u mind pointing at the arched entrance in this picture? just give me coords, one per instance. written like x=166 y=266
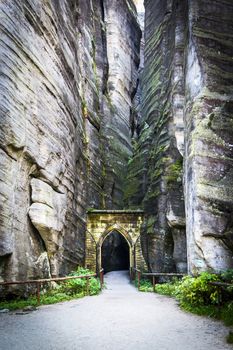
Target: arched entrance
x=101 y=224
x=115 y=252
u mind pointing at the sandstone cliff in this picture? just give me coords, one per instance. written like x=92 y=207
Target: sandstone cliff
x=186 y=113
x=68 y=75
x=75 y=110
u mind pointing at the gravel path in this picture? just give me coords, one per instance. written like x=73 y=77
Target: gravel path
x=120 y=318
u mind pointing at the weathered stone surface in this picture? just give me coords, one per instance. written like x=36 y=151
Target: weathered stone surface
x=55 y=104
x=123 y=47
x=155 y=172
x=8 y=166
x=47 y=214
x=68 y=77
x=186 y=112
x=209 y=172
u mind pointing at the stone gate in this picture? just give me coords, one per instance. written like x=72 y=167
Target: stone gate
x=101 y=223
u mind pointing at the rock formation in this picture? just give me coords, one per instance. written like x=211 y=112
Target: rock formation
x=68 y=76
x=75 y=110
x=183 y=157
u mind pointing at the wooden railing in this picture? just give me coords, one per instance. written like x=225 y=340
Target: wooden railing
x=39 y=282
x=153 y=275
x=101 y=278
x=220 y=287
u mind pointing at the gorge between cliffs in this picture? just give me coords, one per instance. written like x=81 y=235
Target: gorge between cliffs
x=106 y=107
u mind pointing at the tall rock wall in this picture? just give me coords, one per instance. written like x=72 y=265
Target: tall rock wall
x=209 y=136
x=181 y=171
x=64 y=117
x=155 y=171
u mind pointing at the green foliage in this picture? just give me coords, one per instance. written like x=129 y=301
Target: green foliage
x=63 y=291
x=167 y=288
x=174 y=171
x=18 y=303
x=227 y=313
x=79 y=285
x=202 y=310
x=145 y=286
x=197 y=290
x=230 y=338
x=227 y=276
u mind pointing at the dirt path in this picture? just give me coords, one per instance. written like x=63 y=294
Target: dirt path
x=120 y=318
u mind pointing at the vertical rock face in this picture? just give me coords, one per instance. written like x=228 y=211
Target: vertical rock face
x=208 y=121
x=68 y=76
x=186 y=113
x=123 y=47
x=64 y=115
x=155 y=172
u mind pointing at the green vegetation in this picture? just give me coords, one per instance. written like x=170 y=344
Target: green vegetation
x=145 y=285
x=197 y=291
x=64 y=291
x=174 y=171
x=230 y=338
x=167 y=288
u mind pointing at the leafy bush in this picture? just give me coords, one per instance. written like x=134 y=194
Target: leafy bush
x=227 y=314
x=145 y=286
x=79 y=285
x=95 y=287
x=227 y=276
x=167 y=288
x=197 y=290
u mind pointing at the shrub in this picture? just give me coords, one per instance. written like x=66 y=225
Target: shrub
x=197 y=290
x=79 y=285
x=168 y=288
x=227 y=314
x=227 y=276
x=145 y=286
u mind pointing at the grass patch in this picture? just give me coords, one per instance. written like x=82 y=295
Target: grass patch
x=167 y=288
x=204 y=310
x=18 y=303
x=230 y=338
x=227 y=313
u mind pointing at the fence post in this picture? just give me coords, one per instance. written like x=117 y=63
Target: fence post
x=101 y=279
x=219 y=298
x=139 y=279
x=38 y=292
x=154 y=283
x=88 y=285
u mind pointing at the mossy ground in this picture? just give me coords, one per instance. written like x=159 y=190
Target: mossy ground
x=32 y=301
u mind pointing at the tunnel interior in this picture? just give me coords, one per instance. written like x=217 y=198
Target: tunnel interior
x=115 y=253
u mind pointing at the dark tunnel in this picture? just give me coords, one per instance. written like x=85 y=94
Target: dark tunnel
x=115 y=253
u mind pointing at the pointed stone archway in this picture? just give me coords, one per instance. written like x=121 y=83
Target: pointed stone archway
x=101 y=223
